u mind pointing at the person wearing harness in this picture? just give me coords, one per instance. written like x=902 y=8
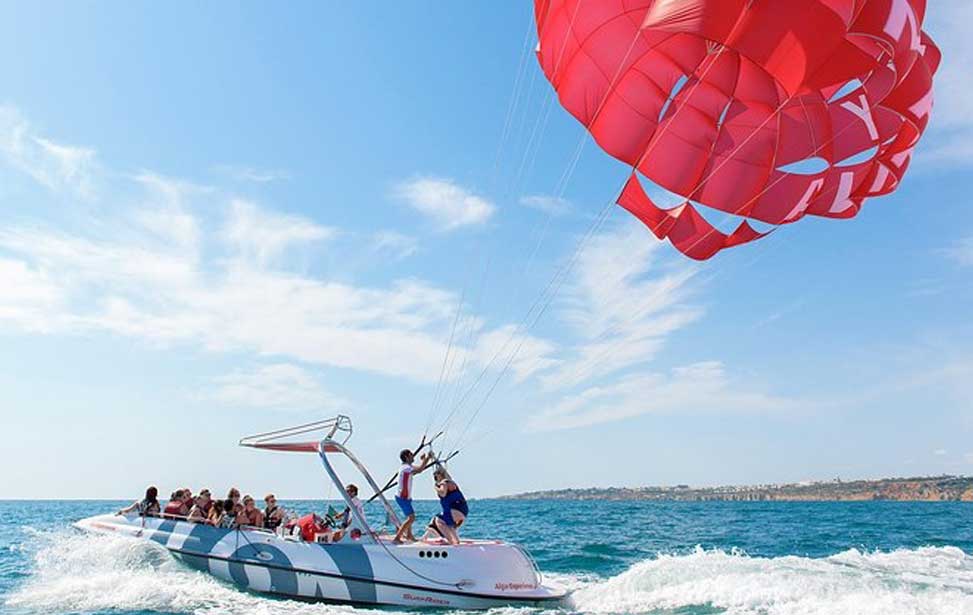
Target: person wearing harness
x=147 y=507
x=455 y=509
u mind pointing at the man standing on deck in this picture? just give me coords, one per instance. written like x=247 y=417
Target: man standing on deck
x=404 y=495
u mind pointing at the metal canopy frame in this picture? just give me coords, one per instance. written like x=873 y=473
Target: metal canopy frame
x=338 y=431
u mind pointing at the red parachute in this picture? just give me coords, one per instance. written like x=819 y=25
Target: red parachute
x=765 y=109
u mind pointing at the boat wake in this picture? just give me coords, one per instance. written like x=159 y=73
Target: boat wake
x=924 y=581
x=84 y=573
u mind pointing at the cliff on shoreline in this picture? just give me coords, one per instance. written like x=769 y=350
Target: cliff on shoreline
x=918 y=489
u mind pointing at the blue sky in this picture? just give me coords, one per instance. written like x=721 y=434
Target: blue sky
x=220 y=219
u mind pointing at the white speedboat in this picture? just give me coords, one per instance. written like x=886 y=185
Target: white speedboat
x=368 y=568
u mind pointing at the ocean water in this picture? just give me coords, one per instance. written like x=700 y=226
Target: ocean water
x=738 y=558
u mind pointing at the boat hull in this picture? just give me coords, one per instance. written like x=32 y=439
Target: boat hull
x=472 y=575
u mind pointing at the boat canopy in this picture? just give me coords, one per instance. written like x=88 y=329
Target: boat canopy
x=334 y=433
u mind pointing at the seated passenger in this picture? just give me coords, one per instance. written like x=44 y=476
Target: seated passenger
x=176 y=507
x=346 y=517
x=215 y=517
x=147 y=507
x=234 y=494
x=455 y=509
x=250 y=516
x=228 y=520
x=200 y=510
x=208 y=502
x=273 y=514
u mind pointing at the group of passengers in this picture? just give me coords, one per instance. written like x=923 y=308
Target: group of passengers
x=232 y=512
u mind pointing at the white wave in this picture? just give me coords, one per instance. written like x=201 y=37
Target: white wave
x=925 y=581
x=84 y=573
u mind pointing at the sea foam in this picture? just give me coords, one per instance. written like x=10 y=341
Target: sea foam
x=85 y=573
x=924 y=581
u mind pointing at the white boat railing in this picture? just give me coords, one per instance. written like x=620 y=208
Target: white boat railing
x=337 y=428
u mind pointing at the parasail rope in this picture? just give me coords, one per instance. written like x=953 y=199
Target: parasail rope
x=509 y=122
x=596 y=224
x=529 y=145
x=761 y=252
x=442 y=370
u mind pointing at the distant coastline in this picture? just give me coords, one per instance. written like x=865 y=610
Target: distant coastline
x=917 y=489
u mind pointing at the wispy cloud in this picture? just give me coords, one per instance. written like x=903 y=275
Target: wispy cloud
x=624 y=302
x=394 y=245
x=263 y=236
x=449 y=205
x=699 y=388
x=951 y=130
x=961 y=252
x=161 y=268
x=553 y=205
x=59 y=167
x=279 y=386
x=28 y=295
x=522 y=353
x=251 y=174
x=165 y=296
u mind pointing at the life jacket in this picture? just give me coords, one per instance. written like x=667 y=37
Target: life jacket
x=173 y=509
x=454 y=500
x=271 y=522
x=311 y=525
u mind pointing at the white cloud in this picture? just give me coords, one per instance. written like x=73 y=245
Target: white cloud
x=27 y=293
x=263 y=236
x=624 y=303
x=553 y=205
x=961 y=252
x=162 y=295
x=951 y=129
x=394 y=245
x=280 y=386
x=522 y=353
x=59 y=167
x=167 y=213
x=699 y=388
x=446 y=203
x=251 y=174
x=155 y=268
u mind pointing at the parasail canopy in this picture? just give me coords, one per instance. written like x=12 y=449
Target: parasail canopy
x=763 y=109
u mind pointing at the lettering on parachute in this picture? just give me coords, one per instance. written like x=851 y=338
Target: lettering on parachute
x=751 y=109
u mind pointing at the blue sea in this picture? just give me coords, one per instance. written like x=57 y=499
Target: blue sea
x=738 y=558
